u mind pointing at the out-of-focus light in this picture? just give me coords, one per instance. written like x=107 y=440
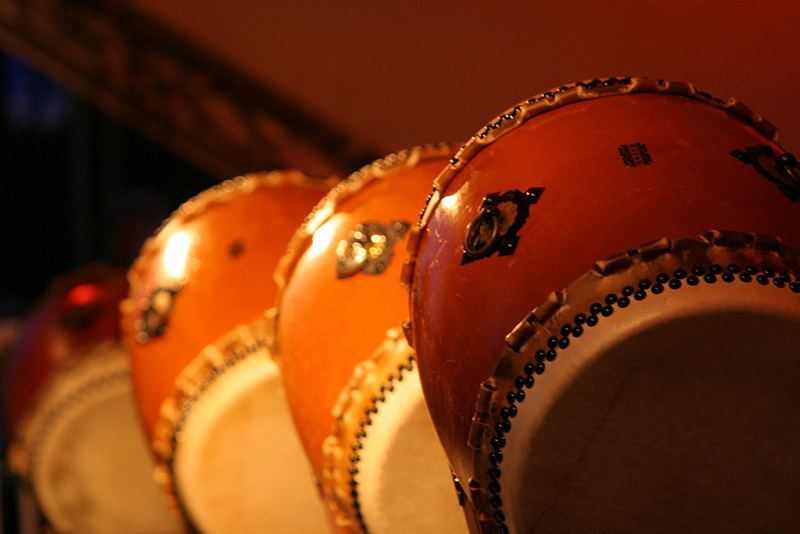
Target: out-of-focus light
x=322 y=238
x=175 y=254
x=83 y=294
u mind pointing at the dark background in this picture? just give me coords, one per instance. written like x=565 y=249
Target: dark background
x=77 y=186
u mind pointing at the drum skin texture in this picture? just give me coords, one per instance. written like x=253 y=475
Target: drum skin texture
x=206 y=272
x=567 y=178
x=339 y=294
x=69 y=410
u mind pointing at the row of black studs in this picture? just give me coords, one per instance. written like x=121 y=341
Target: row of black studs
x=576 y=329
x=361 y=433
x=511 y=114
x=187 y=405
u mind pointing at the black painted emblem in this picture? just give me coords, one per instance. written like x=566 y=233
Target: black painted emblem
x=635 y=155
x=496 y=226
x=782 y=170
x=369 y=248
x=153 y=322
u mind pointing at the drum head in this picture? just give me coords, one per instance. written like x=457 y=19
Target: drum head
x=402 y=440
x=89 y=463
x=236 y=463
x=660 y=397
x=384 y=450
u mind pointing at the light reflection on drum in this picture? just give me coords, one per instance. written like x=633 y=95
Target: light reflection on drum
x=208 y=390
x=653 y=391
x=352 y=387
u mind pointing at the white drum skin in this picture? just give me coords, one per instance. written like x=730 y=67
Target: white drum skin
x=219 y=448
x=669 y=410
x=90 y=465
x=398 y=442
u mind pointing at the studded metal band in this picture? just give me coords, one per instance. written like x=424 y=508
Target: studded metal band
x=370 y=385
x=196 y=378
x=611 y=287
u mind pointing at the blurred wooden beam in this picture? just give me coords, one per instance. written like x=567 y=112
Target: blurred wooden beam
x=172 y=90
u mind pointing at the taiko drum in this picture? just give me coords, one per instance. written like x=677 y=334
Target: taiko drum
x=208 y=391
x=650 y=228
x=350 y=376
x=70 y=412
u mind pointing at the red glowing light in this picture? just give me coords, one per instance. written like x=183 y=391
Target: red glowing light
x=83 y=294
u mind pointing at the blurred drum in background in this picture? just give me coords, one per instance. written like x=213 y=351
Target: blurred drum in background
x=658 y=390
x=350 y=376
x=69 y=409
x=208 y=392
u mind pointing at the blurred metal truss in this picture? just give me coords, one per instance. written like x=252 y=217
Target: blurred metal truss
x=196 y=105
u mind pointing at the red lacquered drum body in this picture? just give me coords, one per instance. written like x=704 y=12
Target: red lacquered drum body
x=69 y=408
x=529 y=204
x=352 y=389
x=206 y=387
